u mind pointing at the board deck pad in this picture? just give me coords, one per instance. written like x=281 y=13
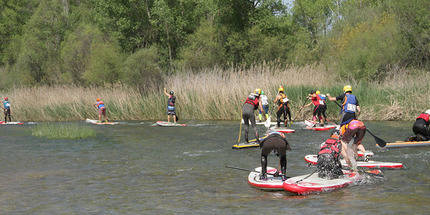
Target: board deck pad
x=399 y=144
x=168 y=124
x=313 y=159
x=96 y=122
x=272 y=182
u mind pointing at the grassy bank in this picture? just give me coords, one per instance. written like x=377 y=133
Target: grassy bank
x=218 y=94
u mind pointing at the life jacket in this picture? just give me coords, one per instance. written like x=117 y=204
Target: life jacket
x=253 y=100
x=171 y=101
x=330 y=146
x=354 y=124
x=6 y=104
x=282 y=100
x=100 y=105
x=424 y=116
x=316 y=100
x=349 y=103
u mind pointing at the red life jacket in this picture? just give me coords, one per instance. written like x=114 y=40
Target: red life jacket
x=331 y=146
x=424 y=116
x=253 y=102
x=316 y=100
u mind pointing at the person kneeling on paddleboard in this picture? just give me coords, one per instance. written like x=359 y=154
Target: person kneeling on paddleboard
x=328 y=163
x=350 y=107
x=351 y=136
x=276 y=142
x=421 y=127
x=6 y=109
x=100 y=105
x=170 y=105
x=251 y=104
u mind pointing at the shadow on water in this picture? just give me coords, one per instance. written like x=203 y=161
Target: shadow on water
x=134 y=168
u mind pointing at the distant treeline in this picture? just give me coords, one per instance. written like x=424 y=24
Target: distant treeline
x=139 y=42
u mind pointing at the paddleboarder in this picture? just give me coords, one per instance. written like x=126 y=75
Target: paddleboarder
x=283 y=107
x=323 y=104
x=171 y=109
x=277 y=143
x=317 y=102
x=6 y=110
x=265 y=105
x=328 y=164
x=100 y=106
x=350 y=107
x=252 y=103
x=352 y=135
x=421 y=127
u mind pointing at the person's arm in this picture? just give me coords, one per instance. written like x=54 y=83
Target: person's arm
x=358 y=110
x=165 y=92
x=330 y=98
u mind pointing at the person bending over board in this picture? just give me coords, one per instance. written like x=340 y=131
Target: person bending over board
x=277 y=143
x=328 y=163
x=283 y=107
x=100 y=105
x=351 y=136
x=318 y=108
x=170 y=105
x=350 y=107
x=6 y=110
x=421 y=127
x=251 y=104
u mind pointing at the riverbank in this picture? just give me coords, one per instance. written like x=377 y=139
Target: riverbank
x=218 y=94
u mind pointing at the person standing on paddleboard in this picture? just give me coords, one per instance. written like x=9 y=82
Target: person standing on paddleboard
x=283 y=107
x=277 y=143
x=171 y=109
x=316 y=101
x=323 y=104
x=100 y=106
x=265 y=104
x=421 y=127
x=252 y=103
x=350 y=107
x=6 y=110
x=351 y=135
x=328 y=164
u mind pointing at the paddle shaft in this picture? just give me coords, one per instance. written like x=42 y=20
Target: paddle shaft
x=242 y=169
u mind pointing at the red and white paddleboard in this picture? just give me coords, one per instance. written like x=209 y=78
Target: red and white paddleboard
x=313 y=159
x=312 y=125
x=11 y=123
x=282 y=130
x=311 y=183
x=272 y=182
x=168 y=124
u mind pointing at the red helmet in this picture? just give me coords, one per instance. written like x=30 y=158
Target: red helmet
x=6 y=98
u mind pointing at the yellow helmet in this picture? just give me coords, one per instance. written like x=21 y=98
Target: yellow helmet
x=347 y=88
x=257 y=91
x=318 y=92
x=281 y=89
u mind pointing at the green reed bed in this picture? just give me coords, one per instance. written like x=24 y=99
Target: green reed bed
x=63 y=131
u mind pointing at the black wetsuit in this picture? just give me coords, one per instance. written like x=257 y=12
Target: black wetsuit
x=7 y=115
x=248 y=115
x=328 y=164
x=346 y=117
x=274 y=142
x=283 y=110
x=421 y=130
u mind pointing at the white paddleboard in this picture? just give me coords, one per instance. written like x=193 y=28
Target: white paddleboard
x=313 y=159
x=272 y=183
x=168 y=124
x=311 y=126
x=11 y=123
x=96 y=122
x=282 y=129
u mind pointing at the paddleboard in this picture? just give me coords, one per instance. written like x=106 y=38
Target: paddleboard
x=168 y=124
x=252 y=143
x=96 y=122
x=399 y=144
x=311 y=126
x=311 y=183
x=313 y=159
x=282 y=130
x=11 y=123
x=272 y=182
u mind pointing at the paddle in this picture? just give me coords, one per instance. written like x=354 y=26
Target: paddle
x=267 y=123
x=240 y=127
x=301 y=108
x=381 y=143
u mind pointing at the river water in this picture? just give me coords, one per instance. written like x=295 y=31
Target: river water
x=134 y=168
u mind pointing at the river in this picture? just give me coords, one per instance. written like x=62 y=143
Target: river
x=134 y=168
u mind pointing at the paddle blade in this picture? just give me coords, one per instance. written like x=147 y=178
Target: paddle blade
x=381 y=143
x=177 y=118
x=267 y=123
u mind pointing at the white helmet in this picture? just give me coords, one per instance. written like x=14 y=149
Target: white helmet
x=427 y=111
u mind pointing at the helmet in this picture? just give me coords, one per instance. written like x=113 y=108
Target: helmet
x=318 y=92
x=257 y=91
x=98 y=99
x=6 y=98
x=281 y=89
x=171 y=92
x=262 y=92
x=347 y=88
x=427 y=111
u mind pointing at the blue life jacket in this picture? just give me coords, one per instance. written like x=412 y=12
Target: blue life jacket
x=100 y=105
x=349 y=104
x=6 y=104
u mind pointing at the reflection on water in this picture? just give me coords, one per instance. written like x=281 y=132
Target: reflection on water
x=134 y=168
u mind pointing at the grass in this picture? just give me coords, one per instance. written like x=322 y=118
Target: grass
x=63 y=131
x=218 y=95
